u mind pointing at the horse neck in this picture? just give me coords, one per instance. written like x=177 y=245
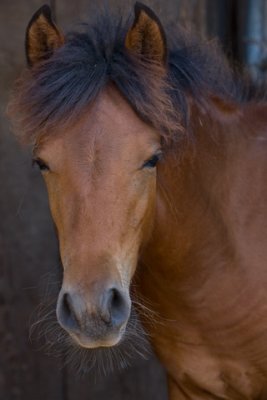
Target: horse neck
x=210 y=192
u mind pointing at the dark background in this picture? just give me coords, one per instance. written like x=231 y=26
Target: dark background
x=28 y=247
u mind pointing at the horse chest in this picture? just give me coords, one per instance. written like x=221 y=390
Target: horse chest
x=214 y=346
x=196 y=373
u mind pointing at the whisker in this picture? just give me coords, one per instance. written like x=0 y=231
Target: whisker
x=55 y=341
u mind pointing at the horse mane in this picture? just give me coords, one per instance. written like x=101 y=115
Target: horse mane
x=60 y=89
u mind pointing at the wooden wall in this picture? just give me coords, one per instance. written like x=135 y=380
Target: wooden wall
x=28 y=247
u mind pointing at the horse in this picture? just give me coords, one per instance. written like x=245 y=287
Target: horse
x=154 y=157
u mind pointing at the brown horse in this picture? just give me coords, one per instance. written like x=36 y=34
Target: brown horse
x=155 y=164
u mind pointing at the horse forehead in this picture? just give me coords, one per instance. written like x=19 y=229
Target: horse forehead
x=111 y=106
x=108 y=112
x=109 y=125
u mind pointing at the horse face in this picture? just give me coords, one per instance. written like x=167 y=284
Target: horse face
x=101 y=179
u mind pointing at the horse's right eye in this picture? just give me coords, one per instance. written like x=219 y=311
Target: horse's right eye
x=41 y=164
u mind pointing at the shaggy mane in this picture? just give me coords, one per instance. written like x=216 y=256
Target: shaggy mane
x=60 y=89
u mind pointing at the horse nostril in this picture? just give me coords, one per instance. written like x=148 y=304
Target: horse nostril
x=66 y=313
x=107 y=310
x=116 y=299
x=117 y=306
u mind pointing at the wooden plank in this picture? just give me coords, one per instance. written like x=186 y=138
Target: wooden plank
x=189 y=13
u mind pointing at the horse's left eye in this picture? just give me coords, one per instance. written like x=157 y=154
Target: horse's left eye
x=152 y=162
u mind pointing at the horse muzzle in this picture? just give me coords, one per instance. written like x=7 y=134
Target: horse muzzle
x=98 y=322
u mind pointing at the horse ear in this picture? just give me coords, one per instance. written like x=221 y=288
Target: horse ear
x=146 y=37
x=42 y=36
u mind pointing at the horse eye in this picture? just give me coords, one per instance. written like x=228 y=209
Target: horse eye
x=41 y=164
x=152 y=162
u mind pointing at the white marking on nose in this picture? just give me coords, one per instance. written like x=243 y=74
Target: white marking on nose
x=124 y=270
